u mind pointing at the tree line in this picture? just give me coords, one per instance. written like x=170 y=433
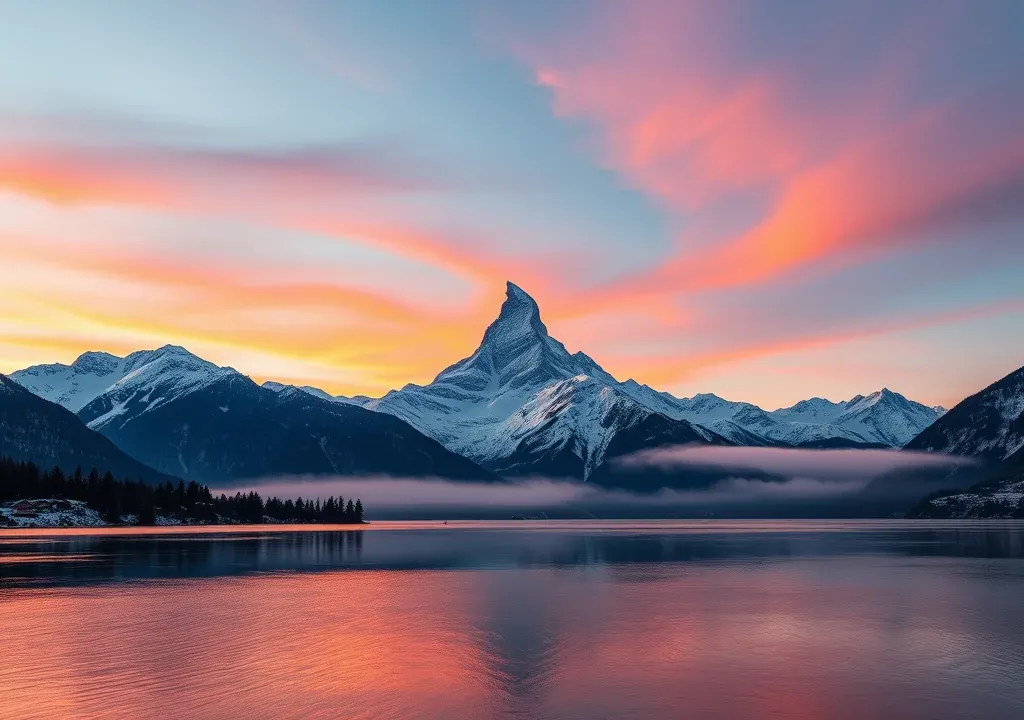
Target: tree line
x=185 y=502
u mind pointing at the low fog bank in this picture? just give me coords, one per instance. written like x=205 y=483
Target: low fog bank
x=848 y=464
x=667 y=482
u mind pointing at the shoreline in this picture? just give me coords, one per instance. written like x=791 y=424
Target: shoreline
x=64 y=514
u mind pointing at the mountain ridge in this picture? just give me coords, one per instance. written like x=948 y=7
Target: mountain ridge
x=520 y=397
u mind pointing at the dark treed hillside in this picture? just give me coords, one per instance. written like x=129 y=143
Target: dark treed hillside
x=42 y=432
x=186 y=503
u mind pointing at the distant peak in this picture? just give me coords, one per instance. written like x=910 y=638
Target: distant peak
x=885 y=394
x=172 y=350
x=91 y=355
x=99 y=362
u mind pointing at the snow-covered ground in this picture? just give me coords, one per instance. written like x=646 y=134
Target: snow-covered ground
x=1003 y=501
x=57 y=512
x=49 y=512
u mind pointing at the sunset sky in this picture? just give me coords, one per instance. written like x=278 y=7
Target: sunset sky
x=765 y=200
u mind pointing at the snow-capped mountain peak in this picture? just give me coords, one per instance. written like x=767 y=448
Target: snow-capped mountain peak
x=97 y=363
x=316 y=392
x=521 y=399
x=75 y=385
x=883 y=417
x=812 y=409
x=149 y=377
x=515 y=354
x=518 y=325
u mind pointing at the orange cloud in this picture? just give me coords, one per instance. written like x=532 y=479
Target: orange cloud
x=59 y=177
x=316 y=190
x=360 y=337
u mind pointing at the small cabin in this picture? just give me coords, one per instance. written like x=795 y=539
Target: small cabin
x=24 y=509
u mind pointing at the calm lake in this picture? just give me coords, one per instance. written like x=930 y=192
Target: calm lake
x=716 y=619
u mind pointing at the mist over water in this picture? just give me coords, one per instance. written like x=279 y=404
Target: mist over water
x=809 y=481
x=825 y=465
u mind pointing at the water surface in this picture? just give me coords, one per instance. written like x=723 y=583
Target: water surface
x=516 y=620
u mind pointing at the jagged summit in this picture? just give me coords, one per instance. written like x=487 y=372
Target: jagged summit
x=516 y=352
x=516 y=295
x=522 y=403
x=517 y=323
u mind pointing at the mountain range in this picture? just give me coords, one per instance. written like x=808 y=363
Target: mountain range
x=520 y=405
x=189 y=418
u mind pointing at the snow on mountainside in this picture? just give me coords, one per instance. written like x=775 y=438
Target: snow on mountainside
x=522 y=403
x=988 y=424
x=277 y=387
x=149 y=380
x=75 y=385
x=185 y=416
x=740 y=422
x=882 y=418
x=142 y=380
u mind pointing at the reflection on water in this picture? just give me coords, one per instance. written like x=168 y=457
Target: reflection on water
x=557 y=620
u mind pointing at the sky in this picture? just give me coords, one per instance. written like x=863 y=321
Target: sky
x=765 y=200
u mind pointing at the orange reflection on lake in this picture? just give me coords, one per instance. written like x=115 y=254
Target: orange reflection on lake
x=513 y=624
x=363 y=644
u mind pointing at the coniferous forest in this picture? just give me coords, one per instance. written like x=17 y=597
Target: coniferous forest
x=184 y=502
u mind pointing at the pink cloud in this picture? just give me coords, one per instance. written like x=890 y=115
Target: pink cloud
x=689 y=111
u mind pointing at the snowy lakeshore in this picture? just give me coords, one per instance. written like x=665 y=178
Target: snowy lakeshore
x=62 y=513
x=1003 y=501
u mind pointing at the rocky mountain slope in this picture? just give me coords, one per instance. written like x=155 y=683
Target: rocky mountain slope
x=988 y=426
